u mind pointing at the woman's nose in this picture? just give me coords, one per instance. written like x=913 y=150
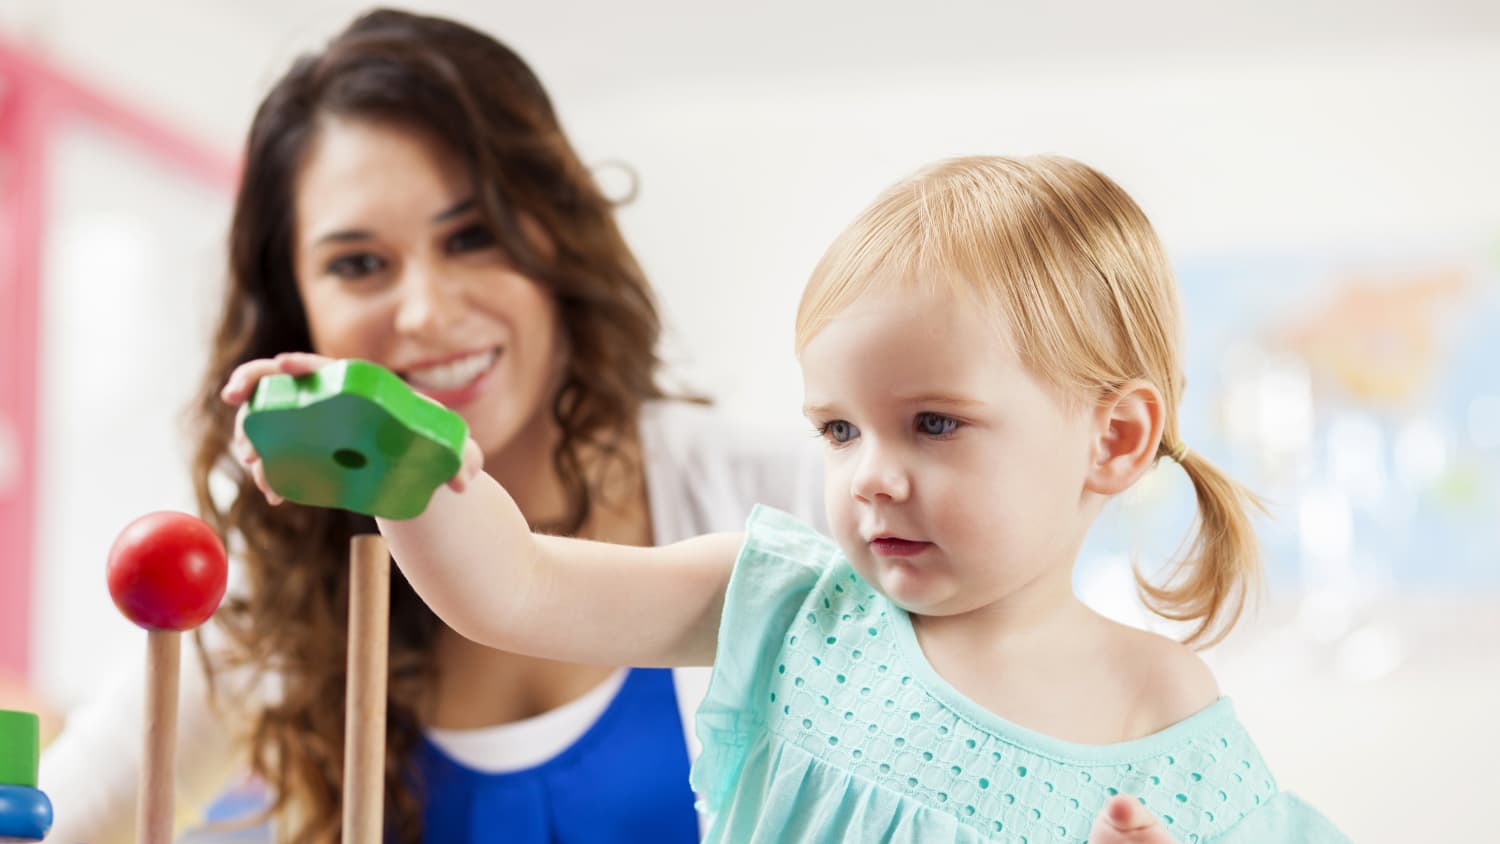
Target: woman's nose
x=428 y=302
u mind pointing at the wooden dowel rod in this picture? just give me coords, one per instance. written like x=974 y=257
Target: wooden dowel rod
x=155 y=799
x=364 y=725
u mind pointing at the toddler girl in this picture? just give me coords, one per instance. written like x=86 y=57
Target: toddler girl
x=991 y=353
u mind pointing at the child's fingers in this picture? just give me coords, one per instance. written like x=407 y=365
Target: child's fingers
x=301 y=363
x=243 y=451
x=1126 y=813
x=258 y=471
x=240 y=446
x=1123 y=820
x=243 y=379
x=473 y=462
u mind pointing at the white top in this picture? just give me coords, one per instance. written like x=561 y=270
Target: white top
x=531 y=741
x=704 y=472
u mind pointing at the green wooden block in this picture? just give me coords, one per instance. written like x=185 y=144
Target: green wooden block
x=20 y=747
x=354 y=436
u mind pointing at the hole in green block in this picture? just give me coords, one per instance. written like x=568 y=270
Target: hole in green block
x=349 y=458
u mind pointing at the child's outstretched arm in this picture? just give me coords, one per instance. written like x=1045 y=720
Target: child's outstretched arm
x=472 y=557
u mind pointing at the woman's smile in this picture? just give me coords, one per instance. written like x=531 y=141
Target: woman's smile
x=452 y=381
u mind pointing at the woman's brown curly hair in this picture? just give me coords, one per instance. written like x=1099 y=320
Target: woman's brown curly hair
x=482 y=103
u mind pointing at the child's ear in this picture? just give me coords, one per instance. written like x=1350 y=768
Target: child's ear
x=1127 y=430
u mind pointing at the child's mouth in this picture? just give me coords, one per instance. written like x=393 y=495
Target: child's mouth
x=891 y=546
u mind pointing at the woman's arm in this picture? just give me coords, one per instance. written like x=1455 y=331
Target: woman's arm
x=474 y=560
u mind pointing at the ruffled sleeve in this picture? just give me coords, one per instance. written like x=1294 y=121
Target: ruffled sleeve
x=778 y=565
x=1285 y=819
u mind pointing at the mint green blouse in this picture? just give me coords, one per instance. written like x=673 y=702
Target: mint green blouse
x=823 y=722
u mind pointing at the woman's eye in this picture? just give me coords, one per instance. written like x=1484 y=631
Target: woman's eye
x=358 y=265
x=936 y=424
x=471 y=238
x=839 y=431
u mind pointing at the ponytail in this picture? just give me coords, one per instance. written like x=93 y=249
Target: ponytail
x=1221 y=570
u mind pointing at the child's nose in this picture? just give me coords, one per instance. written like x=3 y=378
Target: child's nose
x=880 y=476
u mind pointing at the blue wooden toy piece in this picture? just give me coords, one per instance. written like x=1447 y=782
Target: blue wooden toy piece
x=25 y=812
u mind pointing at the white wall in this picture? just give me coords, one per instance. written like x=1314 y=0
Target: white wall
x=745 y=184
x=132 y=278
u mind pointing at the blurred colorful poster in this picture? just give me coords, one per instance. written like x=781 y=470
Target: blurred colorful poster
x=1359 y=394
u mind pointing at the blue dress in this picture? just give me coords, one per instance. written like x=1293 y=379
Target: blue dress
x=624 y=780
x=825 y=723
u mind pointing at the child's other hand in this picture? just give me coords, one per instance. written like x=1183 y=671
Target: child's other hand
x=1123 y=820
x=238 y=390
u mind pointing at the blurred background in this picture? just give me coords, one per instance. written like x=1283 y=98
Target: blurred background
x=1324 y=176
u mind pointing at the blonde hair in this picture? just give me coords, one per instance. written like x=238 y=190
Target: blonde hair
x=1072 y=267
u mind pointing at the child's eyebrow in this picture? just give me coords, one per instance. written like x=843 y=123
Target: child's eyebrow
x=937 y=398
x=944 y=399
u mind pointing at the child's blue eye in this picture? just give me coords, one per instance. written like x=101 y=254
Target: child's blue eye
x=936 y=424
x=839 y=431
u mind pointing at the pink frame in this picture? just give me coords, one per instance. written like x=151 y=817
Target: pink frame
x=36 y=102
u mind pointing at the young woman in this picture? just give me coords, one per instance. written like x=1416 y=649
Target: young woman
x=409 y=198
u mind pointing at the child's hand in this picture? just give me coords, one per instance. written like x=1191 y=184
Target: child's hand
x=473 y=463
x=238 y=390
x=1123 y=820
x=241 y=386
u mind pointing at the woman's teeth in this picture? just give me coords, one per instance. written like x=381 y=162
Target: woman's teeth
x=453 y=374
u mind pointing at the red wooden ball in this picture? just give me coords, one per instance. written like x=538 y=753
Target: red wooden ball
x=167 y=571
